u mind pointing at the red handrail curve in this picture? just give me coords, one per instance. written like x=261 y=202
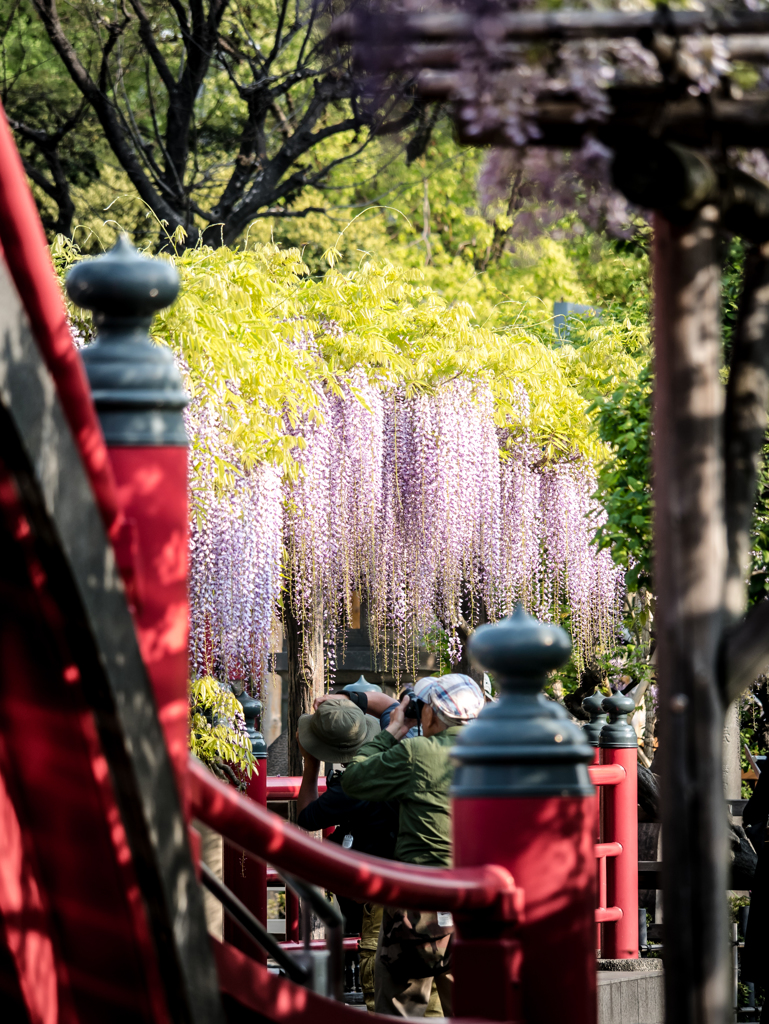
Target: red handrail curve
x=286 y=787
x=606 y=774
x=265 y=835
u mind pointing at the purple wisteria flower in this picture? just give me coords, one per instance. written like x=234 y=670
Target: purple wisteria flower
x=417 y=502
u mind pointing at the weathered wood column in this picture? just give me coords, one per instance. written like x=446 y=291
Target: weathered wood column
x=690 y=573
x=305 y=676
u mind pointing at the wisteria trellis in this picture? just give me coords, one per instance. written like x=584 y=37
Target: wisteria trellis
x=417 y=501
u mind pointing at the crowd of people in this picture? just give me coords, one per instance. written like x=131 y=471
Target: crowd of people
x=389 y=796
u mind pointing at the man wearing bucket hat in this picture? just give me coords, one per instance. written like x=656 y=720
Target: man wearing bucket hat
x=335 y=734
x=415 y=946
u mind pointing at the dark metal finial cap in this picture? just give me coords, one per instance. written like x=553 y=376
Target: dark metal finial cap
x=594 y=707
x=618 y=732
x=136 y=386
x=123 y=284
x=524 y=744
x=252 y=709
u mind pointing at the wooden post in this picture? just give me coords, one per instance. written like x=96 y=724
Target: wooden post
x=690 y=572
x=305 y=679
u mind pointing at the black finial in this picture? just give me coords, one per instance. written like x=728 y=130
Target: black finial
x=136 y=386
x=594 y=707
x=524 y=744
x=618 y=732
x=252 y=709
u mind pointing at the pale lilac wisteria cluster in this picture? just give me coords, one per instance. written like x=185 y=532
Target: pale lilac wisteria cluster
x=431 y=512
x=235 y=555
x=416 y=501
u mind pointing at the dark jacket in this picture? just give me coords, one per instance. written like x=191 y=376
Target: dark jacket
x=372 y=825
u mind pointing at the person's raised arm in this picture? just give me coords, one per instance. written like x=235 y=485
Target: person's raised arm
x=383 y=768
x=370 y=702
x=308 y=791
x=379 y=703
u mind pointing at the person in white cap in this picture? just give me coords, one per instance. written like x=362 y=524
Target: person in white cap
x=415 y=946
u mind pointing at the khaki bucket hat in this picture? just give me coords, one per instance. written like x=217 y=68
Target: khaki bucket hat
x=336 y=731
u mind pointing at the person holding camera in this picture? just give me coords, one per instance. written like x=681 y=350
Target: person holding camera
x=415 y=946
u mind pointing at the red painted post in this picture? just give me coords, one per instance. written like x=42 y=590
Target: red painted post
x=245 y=875
x=139 y=397
x=593 y=705
x=292 y=916
x=619 y=745
x=523 y=799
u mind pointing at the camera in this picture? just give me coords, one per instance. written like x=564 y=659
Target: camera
x=414 y=708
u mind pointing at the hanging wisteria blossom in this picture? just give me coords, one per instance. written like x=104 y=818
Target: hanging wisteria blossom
x=235 y=549
x=418 y=502
x=370 y=443
x=423 y=505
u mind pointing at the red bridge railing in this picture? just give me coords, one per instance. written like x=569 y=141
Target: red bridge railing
x=489 y=888
x=616 y=854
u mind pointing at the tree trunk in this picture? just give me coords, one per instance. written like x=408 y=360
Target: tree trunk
x=732 y=750
x=305 y=677
x=690 y=572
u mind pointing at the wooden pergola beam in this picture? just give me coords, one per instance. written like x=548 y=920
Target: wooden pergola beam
x=549 y=25
x=691 y=121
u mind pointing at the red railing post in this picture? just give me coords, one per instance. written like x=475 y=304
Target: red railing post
x=619 y=745
x=292 y=916
x=593 y=705
x=139 y=397
x=523 y=799
x=245 y=875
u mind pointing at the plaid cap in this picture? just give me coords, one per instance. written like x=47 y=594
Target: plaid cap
x=455 y=695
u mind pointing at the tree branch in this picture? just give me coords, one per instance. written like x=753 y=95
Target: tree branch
x=47 y=144
x=107 y=116
x=267 y=191
x=157 y=58
x=745 y=651
x=278 y=31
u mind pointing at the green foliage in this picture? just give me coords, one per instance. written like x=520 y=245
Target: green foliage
x=243 y=316
x=624 y=481
x=735 y=904
x=758 y=581
x=436 y=641
x=42 y=102
x=257 y=318
x=731 y=287
x=214 y=734
x=427 y=216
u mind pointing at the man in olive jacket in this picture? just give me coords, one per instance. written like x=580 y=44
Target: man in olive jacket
x=415 y=946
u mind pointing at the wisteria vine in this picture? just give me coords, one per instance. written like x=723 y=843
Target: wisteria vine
x=416 y=500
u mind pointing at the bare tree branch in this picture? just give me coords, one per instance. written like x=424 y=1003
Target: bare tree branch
x=58 y=189
x=745 y=651
x=170 y=139
x=148 y=38
x=106 y=114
